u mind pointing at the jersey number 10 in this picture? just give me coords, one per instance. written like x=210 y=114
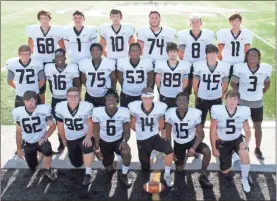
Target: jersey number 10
x=117 y=43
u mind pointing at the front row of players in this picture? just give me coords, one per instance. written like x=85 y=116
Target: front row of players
x=104 y=131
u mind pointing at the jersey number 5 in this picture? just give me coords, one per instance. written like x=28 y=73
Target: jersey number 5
x=31 y=127
x=230 y=124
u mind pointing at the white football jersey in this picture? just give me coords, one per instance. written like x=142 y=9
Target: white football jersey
x=251 y=84
x=195 y=46
x=75 y=124
x=233 y=51
x=210 y=83
x=172 y=78
x=155 y=43
x=229 y=127
x=117 y=42
x=134 y=77
x=147 y=123
x=25 y=76
x=98 y=79
x=78 y=43
x=111 y=127
x=183 y=128
x=34 y=125
x=61 y=81
x=45 y=44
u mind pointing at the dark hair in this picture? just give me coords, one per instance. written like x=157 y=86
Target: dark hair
x=29 y=95
x=78 y=13
x=133 y=45
x=255 y=50
x=73 y=89
x=171 y=47
x=43 y=12
x=111 y=92
x=232 y=93
x=235 y=16
x=154 y=12
x=211 y=49
x=24 y=48
x=96 y=45
x=183 y=93
x=115 y=12
x=60 y=51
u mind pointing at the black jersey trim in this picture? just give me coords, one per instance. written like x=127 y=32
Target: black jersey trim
x=149 y=111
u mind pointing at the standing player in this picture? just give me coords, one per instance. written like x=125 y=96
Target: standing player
x=227 y=123
x=98 y=75
x=79 y=38
x=192 y=43
x=31 y=128
x=134 y=73
x=111 y=134
x=147 y=119
x=117 y=37
x=252 y=80
x=61 y=77
x=44 y=40
x=188 y=135
x=153 y=40
x=210 y=80
x=76 y=130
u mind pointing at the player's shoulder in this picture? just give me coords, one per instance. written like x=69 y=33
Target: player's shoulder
x=240 y=66
x=217 y=108
x=90 y=28
x=183 y=33
x=160 y=105
x=85 y=61
x=124 y=111
x=85 y=105
x=199 y=64
x=19 y=111
x=98 y=111
x=123 y=60
x=222 y=31
x=61 y=106
x=37 y=61
x=57 y=27
x=33 y=27
x=185 y=63
x=134 y=105
x=169 y=30
x=12 y=61
x=207 y=32
x=243 y=110
x=146 y=60
x=171 y=111
x=246 y=31
x=195 y=111
x=143 y=29
x=126 y=26
x=223 y=65
x=160 y=62
x=105 y=27
x=72 y=66
x=109 y=62
x=44 y=108
x=266 y=66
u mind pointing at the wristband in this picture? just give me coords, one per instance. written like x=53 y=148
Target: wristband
x=97 y=150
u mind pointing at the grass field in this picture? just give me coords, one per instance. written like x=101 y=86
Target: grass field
x=260 y=18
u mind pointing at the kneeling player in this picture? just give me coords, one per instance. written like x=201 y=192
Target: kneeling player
x=226 y=136
x=111 y=125
x=76 y=130
x=31 y=128
x=147 y=120
x=188 y=135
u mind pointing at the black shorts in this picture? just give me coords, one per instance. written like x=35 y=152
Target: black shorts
x=226 y=149
x=188 y=89
x=54 y=102
x=145 y=147
x=96 y=101
x=19 y=101
x=257 y=114
x=205 y=107
x=30 y=151
x=170 y=102
x=126 y=99
x=181 y=149
x=108 y=149
x=76 y=149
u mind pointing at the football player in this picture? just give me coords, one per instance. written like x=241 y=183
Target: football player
x=61 y=77
x=252 y=80
x=192 y=44
x=134 y=73
x=147 y=119
x=44 y=39
x=75 y=127
x=226 y=136
x=24 y=74
x=210 y=80
x=116 y=37
x=153 y=40
x=97 y=74
x=111 y=134
x=188 y=135
x=79 y=38
x=32 y=121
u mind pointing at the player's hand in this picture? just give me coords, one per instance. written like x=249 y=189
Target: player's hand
x=41 y=141
x=20 y=154
x=64 y=143
x=243 y=145
x=216 y=153
x=87 y=142
x=124 y=147
x=99 y=155
x=190 y=152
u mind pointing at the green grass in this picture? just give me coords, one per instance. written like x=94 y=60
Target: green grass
x=15 y=16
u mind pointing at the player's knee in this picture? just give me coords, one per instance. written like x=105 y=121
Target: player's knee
x=76 y=162
x=126 y=155
x=28 y=150
x=46 y=149
x=87 y=150
x=226 y=167
x=243 y=154
x=258 y=126
x=180 y=168
x=179 y=163
x=206 y=151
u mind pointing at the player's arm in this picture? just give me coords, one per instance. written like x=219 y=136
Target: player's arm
x=31 y=44
x=141 y=44
x=61 y=44
x=90 y=129
x=158 y=80
x=96 y=134
x=77 y=83
x=247 y=131
x=83 y=79
x=18 y=136
x=10 y=79
x=120 y=77
x=161 y=123
x=168 y=130
x=104 y=45
x=113 y=79
x=133 y=123
x=199 y=136
x=181 y=51
x=185 y=81
x=126 y=131
x=213 y=135
x=234 y=82
x=52 y=127
x=60 y=125
x=132 y=39
x=266 y=85
x=41 y=78
x=195 y=84
x=150 y=79
x=220 y=48
x=246 y=48
x=224 y=84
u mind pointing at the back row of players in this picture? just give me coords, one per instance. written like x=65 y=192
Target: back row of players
x=208 y=76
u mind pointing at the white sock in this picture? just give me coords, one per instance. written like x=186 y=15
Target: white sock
x=118 y=157
x=167 y=170
x=244 y=171
x=124 y=169
x=88 y=170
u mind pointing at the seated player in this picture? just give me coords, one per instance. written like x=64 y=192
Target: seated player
x=75 y=127
x=134 y=73
x=226 y=136
x=111 y=134
x=61 y=77
x=32 y=121
x=147 y=120
x=188 y=135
